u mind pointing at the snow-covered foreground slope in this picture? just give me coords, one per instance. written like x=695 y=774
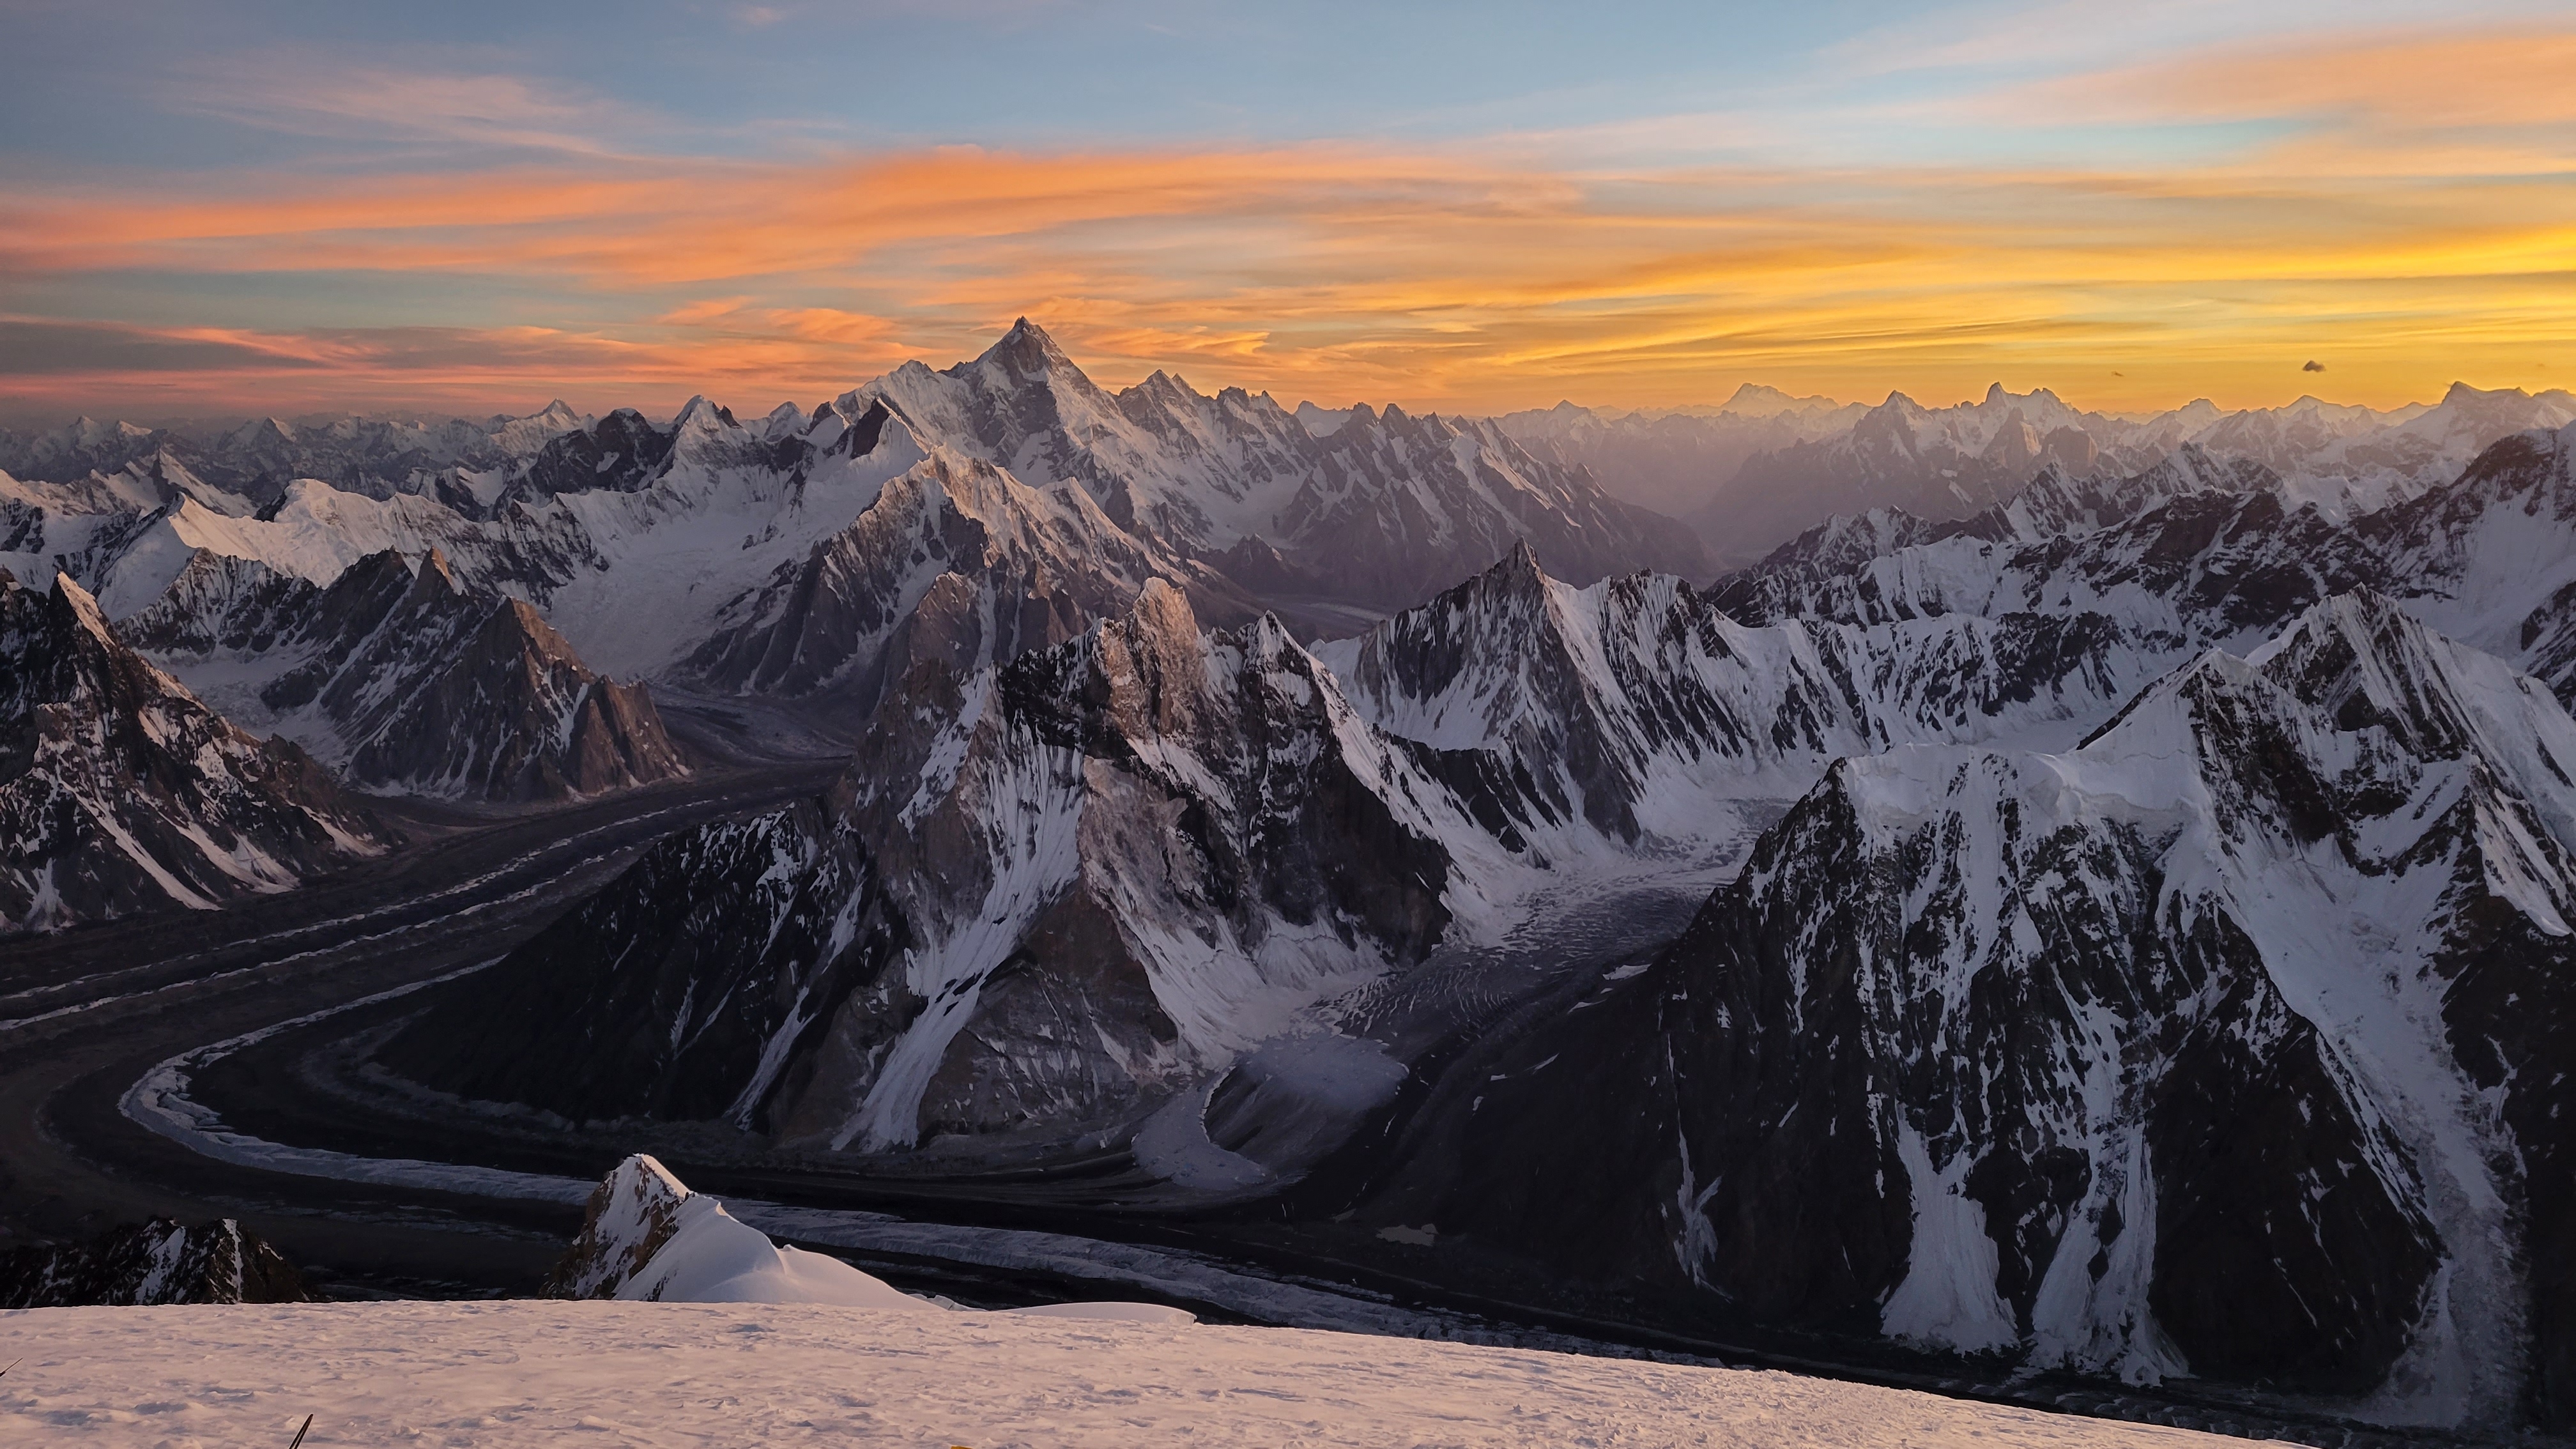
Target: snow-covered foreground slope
x=662 y=1374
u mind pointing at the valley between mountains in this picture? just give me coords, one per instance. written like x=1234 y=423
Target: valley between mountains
x=2007 y=898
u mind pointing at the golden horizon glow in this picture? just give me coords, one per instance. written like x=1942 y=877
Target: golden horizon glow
x=2403 y=236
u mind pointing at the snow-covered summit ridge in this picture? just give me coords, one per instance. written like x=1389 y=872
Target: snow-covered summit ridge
x=789 y=554
x=1639 y=705
x=1363 y=506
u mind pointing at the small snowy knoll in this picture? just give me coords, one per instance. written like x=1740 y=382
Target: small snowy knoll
x=647 y=1238
x=544 y=1373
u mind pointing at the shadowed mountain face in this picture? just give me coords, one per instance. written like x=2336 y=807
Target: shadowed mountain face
x=1043 y=892
x=152 y=1263
x=2231 y=1043
x=121 y=792
x=440 y=691
x=407 y=678
x=1058 y=889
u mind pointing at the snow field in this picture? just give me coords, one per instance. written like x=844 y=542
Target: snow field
x=654 y=1374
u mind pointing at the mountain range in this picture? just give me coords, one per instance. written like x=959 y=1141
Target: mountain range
x=2084 y=896
x=2117 y=933
x=1766 y=467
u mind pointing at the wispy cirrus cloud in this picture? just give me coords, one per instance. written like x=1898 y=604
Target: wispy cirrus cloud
x=2384 y=84
x=344 y=101
x=35 y=347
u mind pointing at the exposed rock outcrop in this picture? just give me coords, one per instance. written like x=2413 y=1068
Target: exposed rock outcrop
x=151 y=1263
x=121 y=792
x=408 y=678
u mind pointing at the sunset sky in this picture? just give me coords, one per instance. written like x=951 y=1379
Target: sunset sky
x=213 y=208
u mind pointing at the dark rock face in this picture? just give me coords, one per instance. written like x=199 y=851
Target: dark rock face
x=661 y=996
x=1045 y=892
x=152 y=1263
x=953 y=562
x=442 y=691
x=621 y=451
x=1165 y=824
x=120 y=792
x=2161 y=1056
x=427 y=683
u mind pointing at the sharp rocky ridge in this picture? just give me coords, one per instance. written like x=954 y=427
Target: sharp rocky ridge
x=120 y=791
x=406 y=678
x=2200 y=555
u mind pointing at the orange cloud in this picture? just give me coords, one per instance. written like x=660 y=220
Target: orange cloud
x=1458 y=278
x=2442 y=79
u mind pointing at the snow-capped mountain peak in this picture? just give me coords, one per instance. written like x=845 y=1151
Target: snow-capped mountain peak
x=2213 y=1046
x=121 y=791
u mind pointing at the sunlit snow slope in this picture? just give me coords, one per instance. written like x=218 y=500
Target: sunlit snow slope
x=665 y=1374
